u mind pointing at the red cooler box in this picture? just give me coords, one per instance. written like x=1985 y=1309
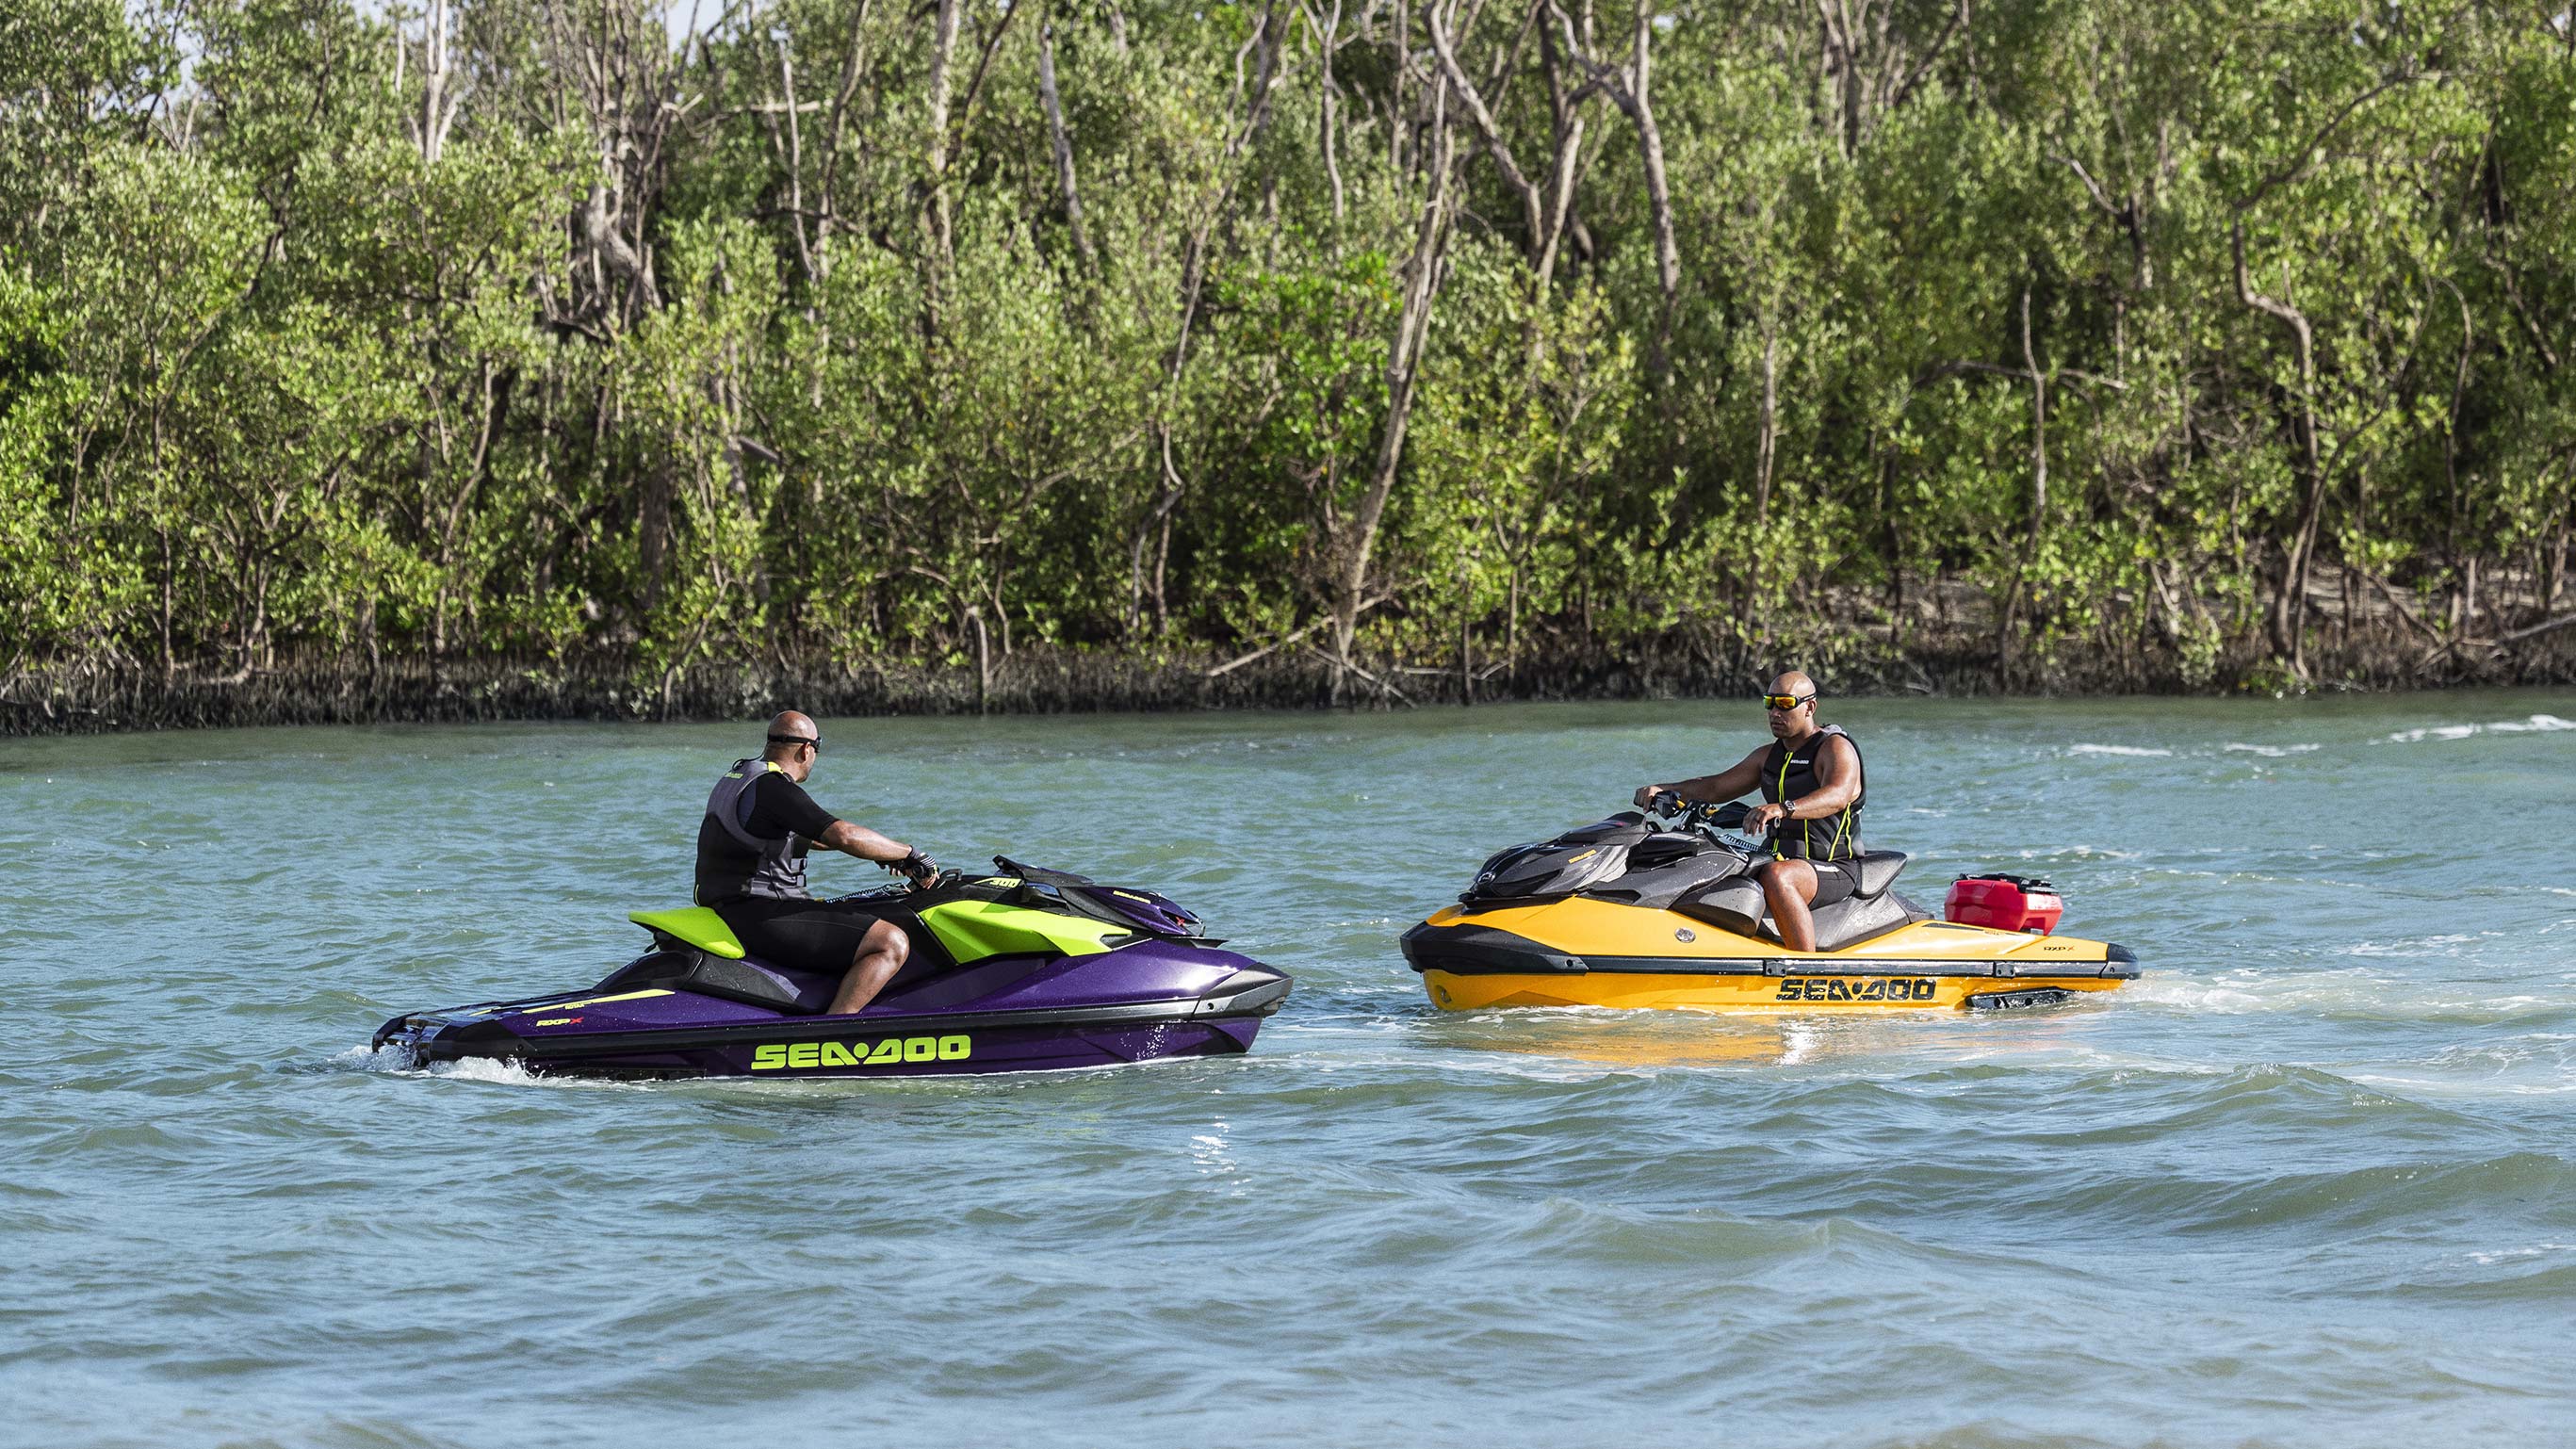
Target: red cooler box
x=2005 y=902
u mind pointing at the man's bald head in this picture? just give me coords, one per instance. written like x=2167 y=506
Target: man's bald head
x=1794 y=722
x=793 y=742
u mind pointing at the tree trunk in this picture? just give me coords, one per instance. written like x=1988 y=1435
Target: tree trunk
x=653 y=534
x=943 y=46
x=983 y=659
x=1659 y=196
x=2556 y=577
x=1542 y=211
x=169 y=589
x=1466 y=647
x=1765 y=450
x=2286 y=624
x=437 y=103
x=1628 y=88
x=1328 y=96
x=2038 y=426
x=1062 y=141
x=1403 y=368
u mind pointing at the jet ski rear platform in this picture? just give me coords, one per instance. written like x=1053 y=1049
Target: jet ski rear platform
x=1027 y=971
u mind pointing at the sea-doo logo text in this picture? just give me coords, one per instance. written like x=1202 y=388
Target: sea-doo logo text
x=1837 y=988
x=806 y=1055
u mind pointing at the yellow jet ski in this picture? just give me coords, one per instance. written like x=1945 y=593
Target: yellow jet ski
x=1636 y=911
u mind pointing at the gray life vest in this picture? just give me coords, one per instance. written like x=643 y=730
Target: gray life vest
x=776 y=870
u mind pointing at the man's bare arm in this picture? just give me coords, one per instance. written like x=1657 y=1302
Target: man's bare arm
x=1838 y=781
x=1725 y=785
x=864 y=843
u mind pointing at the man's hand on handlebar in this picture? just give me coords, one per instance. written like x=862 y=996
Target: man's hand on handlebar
x=917 y=867
x=1656 y=800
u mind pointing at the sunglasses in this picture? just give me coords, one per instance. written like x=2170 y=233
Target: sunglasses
x=1785 y=701
x=815 y=740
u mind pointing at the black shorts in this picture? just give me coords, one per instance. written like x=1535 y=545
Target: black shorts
x=808 y=935
x=1836 y=880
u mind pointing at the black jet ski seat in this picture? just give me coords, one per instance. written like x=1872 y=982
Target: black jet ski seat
x=1872 y=909
x=1876 y=870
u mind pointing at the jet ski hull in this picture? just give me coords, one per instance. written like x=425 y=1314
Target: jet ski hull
x=1006 y=975
x=1822 y=987
x=853 y=1046
x=1585 y=952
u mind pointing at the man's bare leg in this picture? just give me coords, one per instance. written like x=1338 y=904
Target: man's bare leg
x=881 y=953
x=1788 y=885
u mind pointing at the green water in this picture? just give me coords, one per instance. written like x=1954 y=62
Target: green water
x=2308 y=1182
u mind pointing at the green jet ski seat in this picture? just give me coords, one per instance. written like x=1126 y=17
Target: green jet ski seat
x=692 y=926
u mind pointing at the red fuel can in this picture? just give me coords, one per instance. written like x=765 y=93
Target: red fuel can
x=2005 y=902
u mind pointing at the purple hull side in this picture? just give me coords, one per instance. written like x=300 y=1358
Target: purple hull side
x=1144 y=1002
x=855 y=1047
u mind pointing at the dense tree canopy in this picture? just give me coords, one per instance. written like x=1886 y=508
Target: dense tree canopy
x=1401 y=333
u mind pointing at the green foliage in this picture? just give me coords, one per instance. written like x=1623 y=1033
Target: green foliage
x=553 y=339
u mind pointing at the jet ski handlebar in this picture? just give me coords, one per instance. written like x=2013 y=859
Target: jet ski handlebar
x=1698 y=814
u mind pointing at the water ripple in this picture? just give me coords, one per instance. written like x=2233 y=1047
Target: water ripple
x=2308 y=1182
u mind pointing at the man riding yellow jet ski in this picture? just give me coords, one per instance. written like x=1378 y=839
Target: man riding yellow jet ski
x=1671 y=912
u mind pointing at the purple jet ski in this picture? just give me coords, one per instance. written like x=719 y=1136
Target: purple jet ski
x=1025 y=970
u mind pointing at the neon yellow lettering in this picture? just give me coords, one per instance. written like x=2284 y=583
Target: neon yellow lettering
x=769 y=1058
x=956 y=1048
x=889 y=1050
x=837 y=1055
x=921 y=1049
x=804 y=1054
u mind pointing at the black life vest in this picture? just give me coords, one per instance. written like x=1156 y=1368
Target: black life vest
x=1789 y=774
x=776 y=868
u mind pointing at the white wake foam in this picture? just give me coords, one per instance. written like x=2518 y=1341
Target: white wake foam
x=2134 y=751
x=2492 y=1257
x=2271 y=752
x=395 y=1061
x=2537 y=724
x=371 y=1059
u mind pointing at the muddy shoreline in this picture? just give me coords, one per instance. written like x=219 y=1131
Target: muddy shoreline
x=335 y=690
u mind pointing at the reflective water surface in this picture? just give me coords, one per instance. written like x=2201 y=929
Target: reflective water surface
x=2313 y=1180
